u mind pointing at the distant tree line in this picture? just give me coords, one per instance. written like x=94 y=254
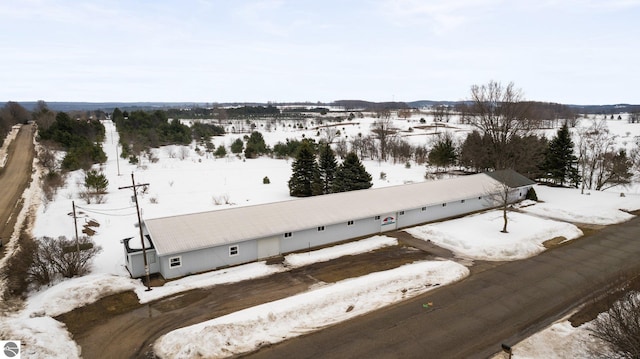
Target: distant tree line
x=369 y=106
x=142 y=130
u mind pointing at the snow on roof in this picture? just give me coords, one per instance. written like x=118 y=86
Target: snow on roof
x=511 y=178
x=183 y=233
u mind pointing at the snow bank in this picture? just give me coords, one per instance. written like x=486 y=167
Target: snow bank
x=41 y=338
x=558 y=341
x=76 y=292
x=352 y=248
x=209 y=279
x=277 y=321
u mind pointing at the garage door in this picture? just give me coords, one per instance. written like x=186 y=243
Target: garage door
x=268 y=247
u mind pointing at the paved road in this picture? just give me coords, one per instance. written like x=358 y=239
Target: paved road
x=471 y=319
x=14 y=178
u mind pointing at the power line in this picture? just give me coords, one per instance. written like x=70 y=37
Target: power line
x=105 y=209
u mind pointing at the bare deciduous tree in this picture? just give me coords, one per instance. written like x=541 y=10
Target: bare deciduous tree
x=594 y=142
x=404 y=113
x=634 y=157
x=501 y=195
x=441 y=113
x=383 y=131
x=43 y=117
x=342 y=148
x=619 y=327
x=330 y=133
x=501 y=113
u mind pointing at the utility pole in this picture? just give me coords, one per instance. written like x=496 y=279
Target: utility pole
x=75 y=224
x=144 y=250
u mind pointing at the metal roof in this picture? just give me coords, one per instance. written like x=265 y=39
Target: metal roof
x=511 y=178
x=183 y=233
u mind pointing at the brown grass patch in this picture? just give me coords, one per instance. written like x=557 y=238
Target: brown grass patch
x=84 y=318
x=554 y=242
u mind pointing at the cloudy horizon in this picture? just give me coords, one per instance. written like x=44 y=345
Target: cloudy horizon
x=572 y=52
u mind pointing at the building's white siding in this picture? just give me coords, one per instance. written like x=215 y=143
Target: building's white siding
x=208 y=259
x=178 y=264
x=330 y=233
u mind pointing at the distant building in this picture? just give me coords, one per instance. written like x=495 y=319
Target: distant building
x=192 y=243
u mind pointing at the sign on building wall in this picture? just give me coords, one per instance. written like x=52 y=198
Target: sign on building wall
x=388 y=220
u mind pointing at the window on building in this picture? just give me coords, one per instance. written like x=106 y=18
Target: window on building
x=424 y=208
x=321 y=228
x=175 y=262
x=462 y=201
x=350 y=223
x=401 y=213
x=377 y=218
x=287 y=235
x=479 y=197
x=444 y=205
x=233 y=250
x=151 y=258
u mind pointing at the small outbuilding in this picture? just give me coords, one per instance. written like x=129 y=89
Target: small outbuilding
x=198 y=242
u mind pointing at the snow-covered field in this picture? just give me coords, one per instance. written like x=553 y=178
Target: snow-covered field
x=201 y=183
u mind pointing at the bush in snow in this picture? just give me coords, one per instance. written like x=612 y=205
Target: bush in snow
x=619 y=327
x=61 y=256
x=221 y=151
x=531 y=194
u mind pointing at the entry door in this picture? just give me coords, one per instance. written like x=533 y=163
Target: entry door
x=268 y=247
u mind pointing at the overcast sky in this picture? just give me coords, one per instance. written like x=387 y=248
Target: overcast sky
x=567 y=51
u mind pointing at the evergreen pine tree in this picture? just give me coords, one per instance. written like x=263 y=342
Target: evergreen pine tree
x=443 y=153
x=351 y=175
x=560 y=163
x=305 y=179
x=328 y=167
x=255 y=145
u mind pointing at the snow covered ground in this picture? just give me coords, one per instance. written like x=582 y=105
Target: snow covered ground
x=201 y=183
x=279 y=320
x=478 y=236
x=558 y=341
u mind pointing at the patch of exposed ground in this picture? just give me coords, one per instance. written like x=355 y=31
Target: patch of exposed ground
x=85 y=317
x=590 y=310
x=553 y=242
x=120 y=326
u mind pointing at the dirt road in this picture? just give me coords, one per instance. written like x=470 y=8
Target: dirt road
x=14 y=179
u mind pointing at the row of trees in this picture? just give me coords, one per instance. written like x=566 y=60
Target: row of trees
x=316 y=171
x=142 y=130
x=10 y=114
x=505 y=138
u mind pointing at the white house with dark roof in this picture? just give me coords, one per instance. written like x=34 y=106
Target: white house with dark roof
x=198 y=242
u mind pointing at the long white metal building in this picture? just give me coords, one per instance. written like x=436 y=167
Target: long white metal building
x=198 y=242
